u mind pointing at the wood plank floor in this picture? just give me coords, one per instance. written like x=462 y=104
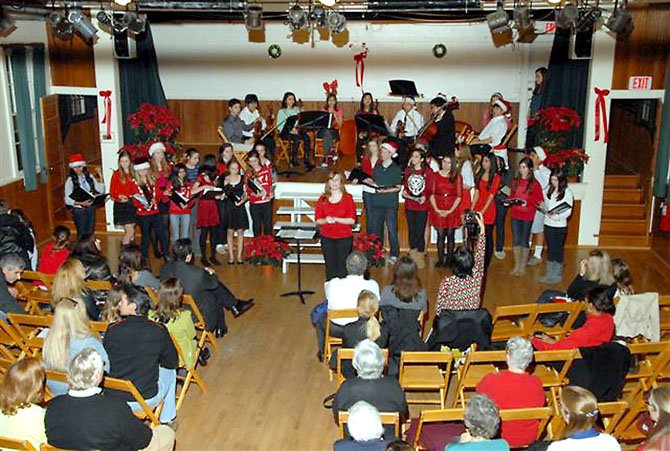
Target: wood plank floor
x=265 y=386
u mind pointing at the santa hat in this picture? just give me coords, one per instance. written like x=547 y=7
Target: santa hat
x=424 y=142
x=541 y=153
x=154 y=147
x=391 y=147
x=141 y=164
x=500 y=104
x=77 y=160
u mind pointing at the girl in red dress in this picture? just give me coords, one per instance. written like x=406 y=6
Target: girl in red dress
x=121 y=191
x=208 y=219
x=488 y=184
x=415 y=192
x=445 y=198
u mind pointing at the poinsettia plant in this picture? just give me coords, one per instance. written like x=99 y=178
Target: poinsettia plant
x=553 y=127
x=266 y=250
x=372 y=247
x=153 y=123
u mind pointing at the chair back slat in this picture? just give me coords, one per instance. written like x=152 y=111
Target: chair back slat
x=388 y=418
x=11 y=443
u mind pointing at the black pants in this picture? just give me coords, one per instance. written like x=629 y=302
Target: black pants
x=261 y=215
x=555 y=238
x=335 y=331
x=155 y=240
x=416 y=226
x=212 y=305
x=84 y=220
x=335 y=252
x=221 y=235
x=294 y=140
x=447 y=234
x=148 y=224
x=501 y=214
x=488 y=230
x=204 y=233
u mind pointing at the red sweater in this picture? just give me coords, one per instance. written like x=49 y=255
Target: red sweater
x=118 y=188
x=515 y=391
x=417 y=184
x=264 y=178
x=597 y=329
x=152 y=208
x=51 y=259
x=532 y=198
x=185 y=191
x=345 y=208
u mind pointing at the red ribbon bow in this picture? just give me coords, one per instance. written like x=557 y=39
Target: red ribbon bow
x=601 y=107
x=331 y=88
x=360 y=67
x=107 y=118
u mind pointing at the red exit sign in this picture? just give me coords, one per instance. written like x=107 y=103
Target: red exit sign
x=639 y=82
x=550 y=27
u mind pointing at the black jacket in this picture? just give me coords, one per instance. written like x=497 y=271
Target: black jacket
x=96 y=267
x=95 y=422
x=581 y=286
x=602 y=370
x=8 y=303
x=15 y=237
x=136 y=348
x=444 y=142
x=461 y=328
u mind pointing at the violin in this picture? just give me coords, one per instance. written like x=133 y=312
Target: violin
x=259 y=131
x=430 y=128
x=400 y=129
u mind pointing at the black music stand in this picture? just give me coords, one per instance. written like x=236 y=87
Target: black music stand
x=315 y=121
x=289 y=124
x=370 y=123
x=297 y=237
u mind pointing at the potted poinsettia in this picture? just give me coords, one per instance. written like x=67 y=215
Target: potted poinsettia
x=372 y=247
x=153 y=123
x=266 y=251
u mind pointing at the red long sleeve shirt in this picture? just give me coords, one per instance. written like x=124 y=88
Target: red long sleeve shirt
x=117 y=188
x=345 y=208
x=152 y=208
x=264 y=178
x=597 y=329
x=532 y=198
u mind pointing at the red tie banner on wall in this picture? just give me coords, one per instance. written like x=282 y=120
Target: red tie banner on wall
x=107 y=118
x=601 y=109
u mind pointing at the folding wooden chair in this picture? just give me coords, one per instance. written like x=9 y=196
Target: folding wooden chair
x=12 y=346
x=330 y=342
x=544 y=366
x=284 y=153
x=610 y=413
x=426 y=371
x=36 y=297
x=648 y=358
x=191 y=375
x=126 y=386
x=11 y=443
x=512 y=320
x=28 y=328
x=99 y=285
x=477 y=365
x=47 y=447
x=435 y=416
x=664 y=313
x=348 y=354
x=200 y=324
x=388 y=418
x=572 y=309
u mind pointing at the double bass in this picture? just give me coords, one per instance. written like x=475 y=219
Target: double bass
x=429 y=129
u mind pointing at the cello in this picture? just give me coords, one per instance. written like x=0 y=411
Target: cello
x=429 y=129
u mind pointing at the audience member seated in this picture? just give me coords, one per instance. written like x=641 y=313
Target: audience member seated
x=598 y=328
x=481 y=419
x=33 y=252
x=177 y=320
x=110 y=311
x=12 y=266
x=70 y=332
x=385 y=393
x=15 y=237
x=405 y=292
x=133 y=268
x=622 y=278
x=55 y=252
x=141 y=351
x=365 y=327
x=365 y=428
x=579 y=409
x=209 y=293
x=658 y=406
x=514 y=388
x=21 y=393
x=87 y=251
x=86 y=418
x=342 y=294
x=70 y=282
x=462 y=290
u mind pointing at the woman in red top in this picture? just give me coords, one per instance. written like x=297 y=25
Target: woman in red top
x=598 y=328
x=121 y=191
x=415 y=192
x=225 y=157
x=147 y=197
x=259 y=192
x=180 y=211
x=208 y=219
x=335 y=214
x=368 y=164
x=161 y=169
x=330 y=135
x=56 y=252
x=488 y=183
x=527 y=193
x=445 y=197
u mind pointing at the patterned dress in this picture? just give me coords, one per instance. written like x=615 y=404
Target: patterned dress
x=463 y=294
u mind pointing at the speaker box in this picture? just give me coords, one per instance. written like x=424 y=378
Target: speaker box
x=581 y=44
x=125 y=46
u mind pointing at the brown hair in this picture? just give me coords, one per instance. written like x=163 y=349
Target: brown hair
x=131 y=170
x=659 y=400
x=23 y=385
x=170 y=298
x=334 y=173
x=453 y=171
x=368 y=306
x=110 y=312
x=622 y=276
x=406 y=282
x=579 y=407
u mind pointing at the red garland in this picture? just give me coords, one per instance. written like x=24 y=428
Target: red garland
x=360 y=67
x=601 y=108
x=107 y=118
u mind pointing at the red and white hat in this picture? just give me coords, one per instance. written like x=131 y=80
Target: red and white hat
x=156 y=146
x=541 y=153
x=500 y=104
x=391 y=147
x=77 y=160
x=141 y=164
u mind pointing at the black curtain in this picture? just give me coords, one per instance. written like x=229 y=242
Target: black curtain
x=567 y=82
x=140 y=82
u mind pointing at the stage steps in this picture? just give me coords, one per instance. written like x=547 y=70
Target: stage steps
x=305 y=259
x=623 y=220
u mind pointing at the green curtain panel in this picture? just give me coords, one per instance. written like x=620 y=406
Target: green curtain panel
x=663 y=160
x=40 y=90
x=24 y=118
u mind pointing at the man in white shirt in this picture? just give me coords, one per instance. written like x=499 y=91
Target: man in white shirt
x=342 y=293
x=250 y=114
x=542 y=174
x=493 y=133
x=409 y=117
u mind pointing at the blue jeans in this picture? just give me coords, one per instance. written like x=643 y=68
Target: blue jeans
x=501 y=214
x=179 y=225
x=521 y=232
x=167 y=387
x=84 y=220
x=388 y=215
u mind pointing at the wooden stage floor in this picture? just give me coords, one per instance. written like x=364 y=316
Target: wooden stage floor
x=265 y=386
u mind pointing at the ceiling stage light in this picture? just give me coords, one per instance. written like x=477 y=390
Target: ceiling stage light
x=567 y=17
x=254 y=17
x=498 y=23
x=82 y=24
x=336 y=22
x=297 y=17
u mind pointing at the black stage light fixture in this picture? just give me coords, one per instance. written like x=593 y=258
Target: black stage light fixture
x=104 y=18
x=498 y=23
x=620 y=22
x=318 y=16
x=567 y=17
x=587 y=18
x=524 y=24
x=82 y=24
x=336 y=22
x=7 y=24
x=134 y=22
x=297 y=17
x=254 y=17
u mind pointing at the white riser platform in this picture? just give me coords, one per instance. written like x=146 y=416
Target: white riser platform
x=305 y=259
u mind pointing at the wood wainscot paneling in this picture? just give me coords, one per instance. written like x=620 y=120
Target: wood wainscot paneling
x=32 y=203
x=646 y=50
x=71 y=62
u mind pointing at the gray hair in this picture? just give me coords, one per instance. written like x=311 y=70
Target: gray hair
x=368 y=360
x=519 y=353
x=365 y=423
x=356 y=263
x=85 y=370
x=481 y=417
x=13 y=261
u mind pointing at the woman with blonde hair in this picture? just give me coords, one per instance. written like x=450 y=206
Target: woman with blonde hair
x=579 y=409
x=69 y=334
x=593 y=271
x=21 y=393
x=658 y=406
x=335 y=215
x=69 y=282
